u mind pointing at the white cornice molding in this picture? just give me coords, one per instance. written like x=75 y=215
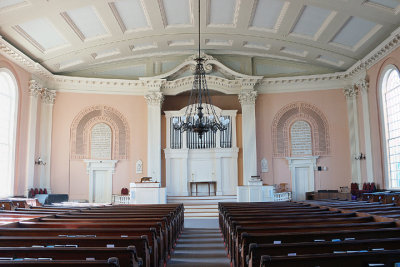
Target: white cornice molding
x=13 y=54
x=95 y=85
x=338 y=80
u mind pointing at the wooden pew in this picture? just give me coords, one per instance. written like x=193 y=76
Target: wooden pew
x=126 y=256
x=166 y=222
x=304 y=228
x=256 y=251
x=263 y=221
x=387 y=258
x=143 y=239
x=160 y=251
x=76 y=263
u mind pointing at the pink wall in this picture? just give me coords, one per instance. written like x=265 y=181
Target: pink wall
x=69 y=176
x=22 y=78
x=333 y=104
x=374 y=75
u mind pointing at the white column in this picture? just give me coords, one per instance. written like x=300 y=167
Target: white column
x=233 y=123
x=218 y=173
x=34 y=92
x=247 y=99
x=46 y=124
x=351 y=93
x=154 y=102
x=363 y=86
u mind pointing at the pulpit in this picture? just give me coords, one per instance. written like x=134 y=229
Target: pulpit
x=147 y=193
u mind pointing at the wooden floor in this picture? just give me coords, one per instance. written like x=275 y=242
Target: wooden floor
x=200 y=248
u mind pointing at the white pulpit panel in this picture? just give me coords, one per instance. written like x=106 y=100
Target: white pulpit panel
x=147 y=193
x=255 y=193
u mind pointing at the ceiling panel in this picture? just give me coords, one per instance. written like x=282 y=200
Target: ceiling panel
x=143 y=46
x=257 y=45
x=353 y=31
x=106 y=53
x=218 y=42
x=326 y=34
x=311 y=20
x=130 y=14
x=222 y=12
x=330 y=60
x=266 y=13
x=180 y=42
x=10 y=3
x=386 y=3
x=177 y=12
x=85 y=22
x=41 y=33
x=294 y=51
x=69 y=63
x=125 y=72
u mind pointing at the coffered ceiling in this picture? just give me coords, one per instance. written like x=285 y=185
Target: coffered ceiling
x=128 y=38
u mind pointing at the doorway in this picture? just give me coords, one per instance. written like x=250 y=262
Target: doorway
x=101 y=187
x=302 y=174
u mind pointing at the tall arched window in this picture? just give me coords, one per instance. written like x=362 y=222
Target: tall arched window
x=8 y=122
x=390 y=98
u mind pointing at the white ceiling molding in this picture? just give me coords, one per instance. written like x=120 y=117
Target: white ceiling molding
x=267 y=85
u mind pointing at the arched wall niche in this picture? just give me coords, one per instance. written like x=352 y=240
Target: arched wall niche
x=297 y=111
x=82 y=126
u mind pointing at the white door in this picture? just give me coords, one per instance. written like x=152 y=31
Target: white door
x=301 y=176
x=101 y=187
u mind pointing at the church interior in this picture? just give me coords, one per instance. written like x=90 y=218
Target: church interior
x=200 y=133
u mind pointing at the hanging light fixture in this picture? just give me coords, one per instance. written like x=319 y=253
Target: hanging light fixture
x=200 y=116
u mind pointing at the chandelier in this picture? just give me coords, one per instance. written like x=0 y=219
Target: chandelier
x=200 y=116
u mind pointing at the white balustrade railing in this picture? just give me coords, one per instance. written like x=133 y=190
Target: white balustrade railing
x=283 y=196
x=118 y=199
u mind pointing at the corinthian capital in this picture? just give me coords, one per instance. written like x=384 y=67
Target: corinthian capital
x=247 y=97
x=351 y=91
x=362 y=85
x=35 y=88
x=48 y=96
x=154 y=98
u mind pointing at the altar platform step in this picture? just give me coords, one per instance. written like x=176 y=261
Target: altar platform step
x=201 y=199
x=200 y=207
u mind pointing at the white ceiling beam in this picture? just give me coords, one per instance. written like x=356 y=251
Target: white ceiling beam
x=245 y=13
x=291 y=16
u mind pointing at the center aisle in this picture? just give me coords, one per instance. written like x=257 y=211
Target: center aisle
x=200 y=247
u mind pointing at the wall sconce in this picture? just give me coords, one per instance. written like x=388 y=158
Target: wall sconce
x=360 y=156
x=40 y=162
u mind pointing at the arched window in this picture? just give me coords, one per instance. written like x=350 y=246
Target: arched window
x=300 y=139
x=101 y=140
x=390 y=99
x=8 y=122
